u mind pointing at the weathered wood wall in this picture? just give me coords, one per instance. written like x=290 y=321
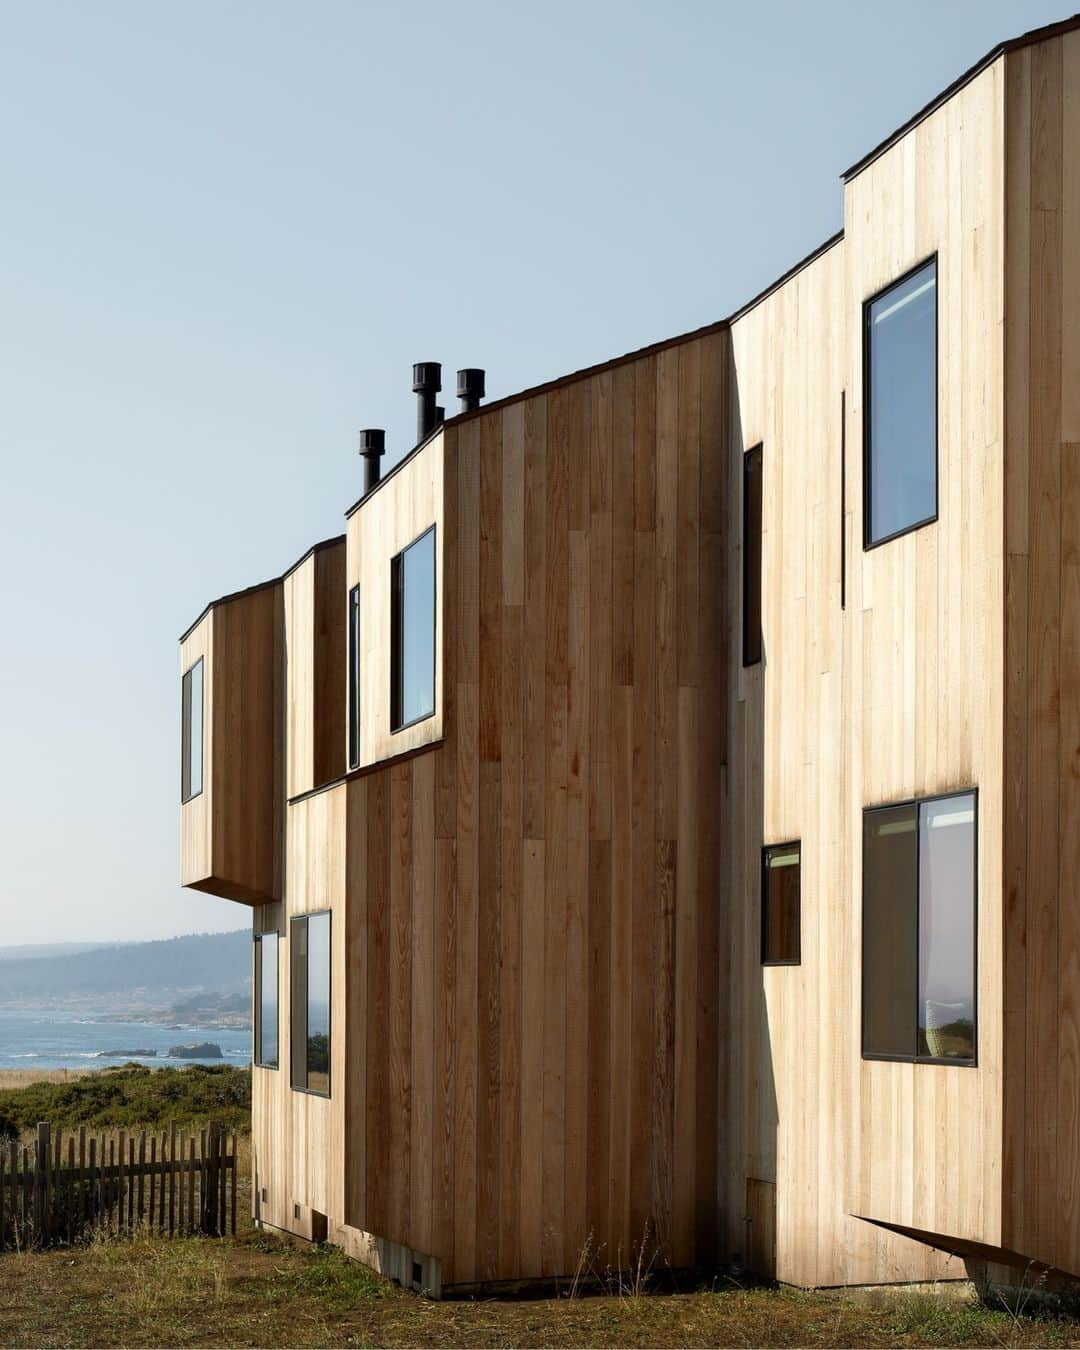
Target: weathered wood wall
x=231 y=842
x=538 y=904
x=316 y=633
x=1041 y=1175
x=923 y=699
x=546 y=913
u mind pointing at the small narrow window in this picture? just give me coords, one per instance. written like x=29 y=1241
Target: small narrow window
x=191 y=737
x=309 y=942
x=781 y=905
x=751 y=634
x=900 y=407
x=412 y=637
x=354 y=677
x=266 y=1000
x=919 y=938
x=843 y=499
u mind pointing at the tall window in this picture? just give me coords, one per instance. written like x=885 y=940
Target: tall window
x=354 y=677
x=751 y=558
x=191 y=736
x=412 y=637
x=266 y=1000
x=781 y=905
x=919 y=862
x=309 y=943
x=900 y=407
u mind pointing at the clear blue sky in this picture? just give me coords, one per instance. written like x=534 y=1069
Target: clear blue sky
x=228 y=229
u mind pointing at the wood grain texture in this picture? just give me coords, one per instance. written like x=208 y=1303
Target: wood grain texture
x=314 y=601
x=1041 y=1088
x=231 y=840
x=557 y=1031
x=915 y=674
x=534 y=1027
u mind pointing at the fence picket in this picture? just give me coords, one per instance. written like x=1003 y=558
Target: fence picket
x=191 y=1183
x=59 y=1192
x=142 y=1164
x=121 y=1194
x=172 y=1181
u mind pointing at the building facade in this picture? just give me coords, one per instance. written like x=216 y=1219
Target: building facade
x=657 y=809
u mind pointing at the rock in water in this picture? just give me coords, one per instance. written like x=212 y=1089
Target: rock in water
x=201 y=1050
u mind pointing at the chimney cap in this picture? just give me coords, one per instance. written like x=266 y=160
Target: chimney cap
x=470 y=383
x=372 y=441
x=427 y=377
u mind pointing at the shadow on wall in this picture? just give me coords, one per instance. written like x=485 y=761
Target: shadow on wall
x=747 y=1132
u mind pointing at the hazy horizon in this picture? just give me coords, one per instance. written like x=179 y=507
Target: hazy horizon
x=229 y=231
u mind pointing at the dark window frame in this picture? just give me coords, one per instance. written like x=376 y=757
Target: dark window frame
x=354 y=677
x=953 y=1061
x=867 y=453
x=186 y=680
x=766 y=960
x=752 y=640
x=257 y=1022
x=397 y=634
x=843 y=499
x=294 y=920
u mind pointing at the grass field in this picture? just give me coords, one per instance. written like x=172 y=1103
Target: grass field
x=20 y=1078
x=257 y=1290
x=260 y=1291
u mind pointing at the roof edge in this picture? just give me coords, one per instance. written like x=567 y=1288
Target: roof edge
x=1029 y=39
x=262 y=585
x=640 y=353
x=398 y=465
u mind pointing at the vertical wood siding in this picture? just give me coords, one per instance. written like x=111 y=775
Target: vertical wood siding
x=541 y=963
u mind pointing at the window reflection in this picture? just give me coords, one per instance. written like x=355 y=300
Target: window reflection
x=354 y=677
x=947 y=928
x=318 y=1003
x=781 y=904
x=413 y=678
x=191 y=752
x=901 y=393
x=266 y=972
x=309 y=939
x=919 y=861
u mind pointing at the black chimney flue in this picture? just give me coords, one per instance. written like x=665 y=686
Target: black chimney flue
x=470 y=388
x=372 y=445
x=426 y=383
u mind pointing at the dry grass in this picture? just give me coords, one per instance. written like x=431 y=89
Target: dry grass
x=261 y=1291
x=20 y=1078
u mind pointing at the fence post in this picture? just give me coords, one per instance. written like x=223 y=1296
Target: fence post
x=41 y=1185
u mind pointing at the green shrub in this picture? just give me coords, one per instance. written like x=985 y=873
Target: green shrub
x=134 y=1095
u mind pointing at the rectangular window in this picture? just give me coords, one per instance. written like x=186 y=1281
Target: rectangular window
x=354 y=677
x=191 y=736
x=843 y=499
x=751 y=561
x=781 y=905
x=919 y=862
x=309 y=941
x=412 y=637
x=266 y=1000
x=900 y=407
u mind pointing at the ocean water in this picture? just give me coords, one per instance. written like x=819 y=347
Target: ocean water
x=33 y=1040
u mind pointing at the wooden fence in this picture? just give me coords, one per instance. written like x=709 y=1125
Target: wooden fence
x=62 y=1189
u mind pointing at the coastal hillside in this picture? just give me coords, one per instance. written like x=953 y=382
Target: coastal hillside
x=173 y=970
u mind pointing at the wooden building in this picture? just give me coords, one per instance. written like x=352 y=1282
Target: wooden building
x=659 y=807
